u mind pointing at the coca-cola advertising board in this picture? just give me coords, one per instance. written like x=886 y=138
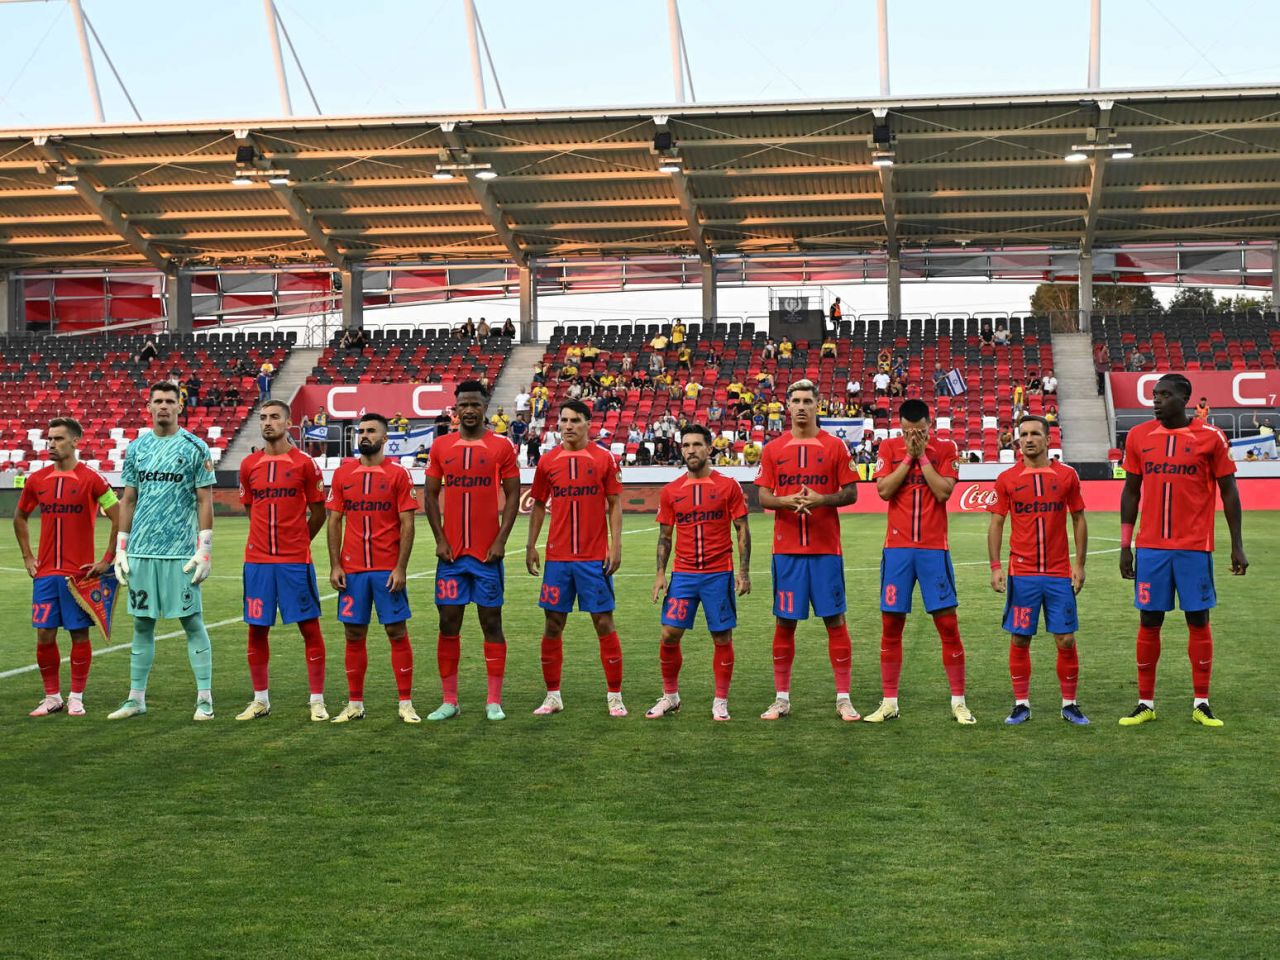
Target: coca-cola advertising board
x=1224 y=388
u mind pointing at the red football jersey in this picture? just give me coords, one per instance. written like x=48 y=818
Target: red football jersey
x=68 y=502
x=373 y=499
x=472 y=472
x=1179 y=470
x=702 y=511
x=574 y=485
x=822 y=464
x=1039 y=500
x=916 y=518
x=278 y=490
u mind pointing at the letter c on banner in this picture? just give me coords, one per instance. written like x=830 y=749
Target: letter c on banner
x=331 y=401
x=422 y=406
x=1145 y=381
x=1238 y=381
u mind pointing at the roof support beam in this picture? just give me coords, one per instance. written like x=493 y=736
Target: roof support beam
x=287 y=196
x=484 y=196
x=689 y=210
x=890 y=204
x=91 y=193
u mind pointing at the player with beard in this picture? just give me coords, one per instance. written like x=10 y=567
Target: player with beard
x=282 y=490
x=470 y=470
x=701 y=507
x=368 y=561
x=1175 y=467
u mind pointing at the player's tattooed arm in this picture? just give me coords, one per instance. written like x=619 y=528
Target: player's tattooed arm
x=431 y=501
x=742 y=527
x=1231 y=510
x=841 y=498
x=664 y=554
x=1130 y=497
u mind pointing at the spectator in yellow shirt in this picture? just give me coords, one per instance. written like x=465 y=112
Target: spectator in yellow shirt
x=774 y=409
x=735 y=389
x=574 y=352
x=677 y=333
x=659 y=341
x=785 y=348
x=500 y=422
x=685 y=356
x=692 y=389
x=399 y=423
x=829 y=347
x=751 y=454
x=590 y=351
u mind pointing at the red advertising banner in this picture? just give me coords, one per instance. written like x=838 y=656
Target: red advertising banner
x=346 y=401
x=1224 y=388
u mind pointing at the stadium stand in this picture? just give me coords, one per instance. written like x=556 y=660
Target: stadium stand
x=426 y=356
x=1187 y=342
x=973 y=419
x=99 y=380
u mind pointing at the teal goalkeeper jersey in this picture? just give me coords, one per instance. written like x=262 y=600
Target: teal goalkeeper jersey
x=166 y=472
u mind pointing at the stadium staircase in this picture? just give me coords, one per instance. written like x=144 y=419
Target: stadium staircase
x=1078 y=401
x=515 y=374
x=292 y=374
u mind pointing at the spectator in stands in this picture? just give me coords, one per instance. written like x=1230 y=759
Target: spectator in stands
x=19 y=478
x=509 y=329
x=764 y=381
x=659 y=342
x=1050 y=383
x=500 y=422
x=468 y=330
x=896 y=388
x=573 y=353
x=265 y=373
x=834 y=315
x=484 y=382
x=231 y=396
x=853 y=388
x=746 y=402
x=1136 y=359
x=899 y=367
x=1001 y=336
x=634 y=435
x=540 y=373
x=443 y=423
x=590 y=351
x=1052 y=415
x=398 y=423
x=1005 y=438
x=774 y=410
x=421 y=457
x=692 y=389
x=985 y=333
x=881 y=381
x=751 y=453
x=639 y=380
x=519 y=430
x=824 y=407
x=770 y=350
x=677 y=333
x=1019 y=401
x=522 y=400
x=1265 y=428
x=829 y=347
x=734 y=389
x=149 y=351
x=533 y=449
x=711 y=357
x=940 y=385
x=627 y=363
x=720 y=444
x=213 y=397
x=674 y=389
x=1203 y=410
x=193 y=385
x=482 y=331
x=715 y=413
x=853 y=409
x=657 y=363
x=355 y=339
x=575 y=390
x=1101 y=364
x=685 y=358
x=1035 y=386
x=884 y=361
x=837 y=407
x=786 y=348
x=569 y=371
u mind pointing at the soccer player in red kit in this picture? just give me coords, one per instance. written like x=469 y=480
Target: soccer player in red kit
x=68 y=494
x=1038 y=494
x=916 y=473
x=701 y=506
x=282 y=490
x=474 y=468
x=1172 y=466
x=584 y=549
x=805 y=477
x=368 y=560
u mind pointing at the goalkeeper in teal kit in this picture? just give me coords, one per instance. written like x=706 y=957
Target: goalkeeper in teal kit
x=165 y=544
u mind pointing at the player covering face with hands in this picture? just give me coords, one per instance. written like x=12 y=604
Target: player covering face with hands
x=700 y=507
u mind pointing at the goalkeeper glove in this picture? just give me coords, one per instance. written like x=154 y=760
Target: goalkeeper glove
x=121 y=561
x=198 y=566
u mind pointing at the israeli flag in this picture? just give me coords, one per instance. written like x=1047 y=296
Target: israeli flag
x=1262 y=445
x=403 y=444
x=848 y=429
x=319 y=434
x=955 y=382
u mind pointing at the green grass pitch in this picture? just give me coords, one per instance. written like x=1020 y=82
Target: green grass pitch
x=581 y=836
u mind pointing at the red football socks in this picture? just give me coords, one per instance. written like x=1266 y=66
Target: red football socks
x=722 y=664
x=81 y=660
x=611 y=660
x=1148 y=657
x=313 y=649
x=784 y=655
x=259 y=655
x=1068 y=672
x=840 y=651
x=448 y=650
x=670 y=658
x=891 y=625
x=357 y=665
x=952 y=651
x=1020 y=670
x=552 y=661
x=495 y=665
x=1200 y=650
x=49 y=660
x=402 y=664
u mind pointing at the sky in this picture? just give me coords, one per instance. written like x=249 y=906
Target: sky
x=183 y=60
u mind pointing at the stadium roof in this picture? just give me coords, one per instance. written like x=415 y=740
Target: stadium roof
x=757 y=178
